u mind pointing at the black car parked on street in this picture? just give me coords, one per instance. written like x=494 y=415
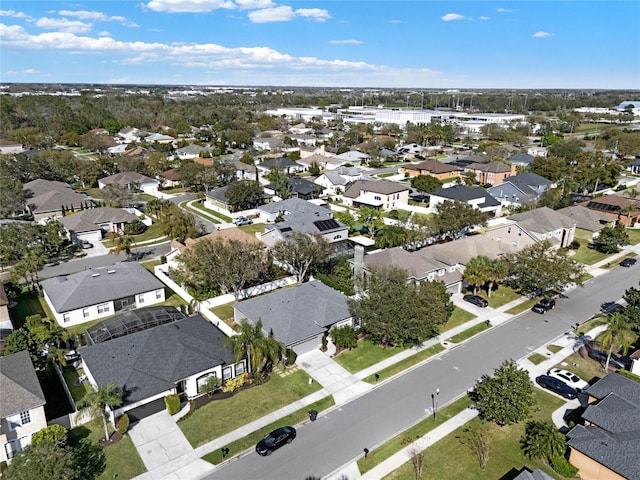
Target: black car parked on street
x=556 y=386
x=276 y=439
x=544 y=305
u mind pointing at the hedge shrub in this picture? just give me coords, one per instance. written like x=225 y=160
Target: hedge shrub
x=173 y=403
x=123 y=424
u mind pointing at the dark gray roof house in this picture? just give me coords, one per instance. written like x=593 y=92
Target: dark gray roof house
x=282 y=164
x=521 y=158
x=610 y=437
x=47 y=198
x=103 y=218
x=587 y=219
x=547 y=225
x=476 y=196
x=19 y=385
x=152 y=363
x=297 y=316
x=521 y=189
x=300 y=187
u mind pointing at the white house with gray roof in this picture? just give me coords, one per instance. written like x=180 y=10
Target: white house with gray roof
x=101 y=292
x=91 y=224
x=131 y=180
x=547 y=225
x=381 y=194
x=177 y=357
x=21 y=404
x=297 y=316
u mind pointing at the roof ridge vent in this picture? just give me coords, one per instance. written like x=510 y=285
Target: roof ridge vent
x=111 y=271
x=95 y=274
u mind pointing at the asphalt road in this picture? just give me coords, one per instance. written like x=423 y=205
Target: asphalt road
x=339 y=437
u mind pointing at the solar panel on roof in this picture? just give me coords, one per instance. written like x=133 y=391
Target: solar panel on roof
x=324 y=225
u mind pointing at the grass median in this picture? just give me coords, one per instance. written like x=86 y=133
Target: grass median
x=405 y=364
x=469 y=332
x=240 y=445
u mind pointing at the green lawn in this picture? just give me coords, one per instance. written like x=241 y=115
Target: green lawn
x=123 y=461
x=29 y=304
x=458 y=317
x=250 y=440
x=536 y=358
x=634 y=236
x=221 y=216
x=224 y=312
x=587 y=255
x=78 y=391
x=368 y=353
x=469 y=332
x=400 y=441
x=153 y=231
x=591 y=324
x=253 y=228
x=404 y=364
x=521 y=307
x=554 y=348
x=506 y=454
x=223 y=416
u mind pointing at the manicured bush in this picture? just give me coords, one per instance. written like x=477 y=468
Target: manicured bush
x=234 y=383
x=123 y=424
x=56 y=434
x=562 y=466
x=173 y=404
x=291 y=357
x=574 y=245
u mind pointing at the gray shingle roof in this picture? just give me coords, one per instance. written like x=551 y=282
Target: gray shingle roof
x=385 y=187
x=462 y=193
x=542 y=220
x=126 y=178
x=537 y=474
x=521 y=158
x=50 y=196
x=297 y=313
x=294 y=206
x=19 y=384
x=90 y=219
x=585 y=218
x=150 y=362
x=98 y=285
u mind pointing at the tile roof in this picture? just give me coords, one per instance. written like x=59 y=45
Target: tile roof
x=19 y=384
x=152 y=361
x=385 y=187
x=97 y=285
x=433 y=166
x=297 y=313
x=172 y=174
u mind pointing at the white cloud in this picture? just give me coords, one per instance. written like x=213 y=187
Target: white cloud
x=104 y=33
x=450 y=17
x=254 y=4
x=189 y=6
x=483 y=18
x=31 y=71
x=504 y=10
x=14 y=14
x=542 y=35
x=318 y=14
x=9 y=72
x=282 y=13
x=97 y=16
x=396 y=21
x=63 y=25
x=346 y=42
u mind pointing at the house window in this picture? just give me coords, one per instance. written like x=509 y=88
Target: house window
x=378 y=197
x=103 y=308
x=141 y=298
x=25 y=417
x=66 y=317
x=158 y=294
x=85 y=312
x=227 y=373
x=240 y=368
x=201 y=382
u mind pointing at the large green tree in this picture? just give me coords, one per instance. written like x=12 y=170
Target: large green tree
x=506 y=397
x=453 y=218
x=43 y=460
x=540 y=267
x=425 y=183
x=610 y=239
x=395 y=311
x=301 y=252
x=244 y=194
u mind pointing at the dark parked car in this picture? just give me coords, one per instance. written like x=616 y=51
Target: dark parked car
x=556 y=386
x=601 y=356
x=275 y=440
x=85 y=244
x=476 y=300
x=628 y=262
x=544 y=305
x=609 y=308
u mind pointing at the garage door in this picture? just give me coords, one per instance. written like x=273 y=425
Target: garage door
x=307 y=346
x=138 y=413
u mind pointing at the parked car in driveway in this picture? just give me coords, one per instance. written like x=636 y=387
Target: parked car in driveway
x=85 y=244
x=274 y=440
x=556 y=386
x=544 y=305
x=239 y=221
x=569 y=378
x=628 y=262
x=477 y=300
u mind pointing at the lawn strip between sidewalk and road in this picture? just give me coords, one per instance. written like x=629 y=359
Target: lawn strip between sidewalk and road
x=469 y=332
x=405 y=364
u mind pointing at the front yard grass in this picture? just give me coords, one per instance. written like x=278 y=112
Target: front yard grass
x=450 y=458
x=223 y=416
x=586 y=368
x=224 y=312
x=123 y=461
x=368 y=353
x=253 y=228
x=634 y=235
x=587 y=255
x=152 y=232
x=458 y=317
x=250 y=440
x=591 y=324
x=521 y=307
x=536 y=358
x=404 y=364
x=29 y=303
x=401 y=440
x=469 y=332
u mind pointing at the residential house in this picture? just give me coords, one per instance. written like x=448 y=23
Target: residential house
x=101 y=292
x=521 y=159
x=49 y=199
x=304 y=139
x=548 y=225
x=217 y=200
x=21 y=404
x=170 y=178
x=410 y=150
x=591 y=221
x=491 y=173
x=299 y=187
x=192 y=151
x=131 y=134
x=8 y=147
x=445 y=262
x=607 y=445
x=633 y=166
x=353 y=156
x=625 y=210
x=440 y=170
x=132 y=181
x=6 y=327
x=298 y=316
x=267 y=144
x=178 y=357
x=281 y=164
x=322 y=161
x=335 y=182
x=524 y=188
x=244 y=170
x=477 y=197
x=91 y=224
x=537 y=151
x=159 y=138
x=537 y=474
x=380 y=194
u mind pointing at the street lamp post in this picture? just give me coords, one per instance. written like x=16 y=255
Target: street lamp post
x=434 y=403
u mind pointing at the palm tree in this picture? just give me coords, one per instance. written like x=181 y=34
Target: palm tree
x=97 y=402
x=543 y=440
x=247 y=342
x=498 y=272
x=390 y=236
x=619 y=334
x=477 y=272
x=122 y=244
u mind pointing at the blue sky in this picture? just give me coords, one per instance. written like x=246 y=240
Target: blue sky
x=336 y=43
